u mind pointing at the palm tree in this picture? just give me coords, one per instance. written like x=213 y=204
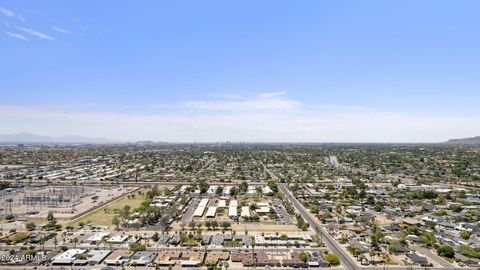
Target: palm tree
x=214 y=224
x=192 y=224
x=55 y=242
x=208 y=224
x=75 y=241
x=361 y=257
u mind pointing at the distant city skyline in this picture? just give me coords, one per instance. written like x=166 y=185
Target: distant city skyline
x=268 y=71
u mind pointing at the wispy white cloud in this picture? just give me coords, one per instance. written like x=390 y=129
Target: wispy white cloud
x=262 y=102
x=227 y=96
x=273 y=94
x=7 y=12
x=16 y=36
x=34 y=33
x=343 y=108
x=61 y=30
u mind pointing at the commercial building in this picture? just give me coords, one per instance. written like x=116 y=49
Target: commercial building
x=212 y=210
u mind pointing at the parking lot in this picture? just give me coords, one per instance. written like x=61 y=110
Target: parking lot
x=187 y=216
x=284 y=217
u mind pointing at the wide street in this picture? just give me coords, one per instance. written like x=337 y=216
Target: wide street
x=346 y=260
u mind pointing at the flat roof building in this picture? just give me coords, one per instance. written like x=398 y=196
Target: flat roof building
x=118 y=239
x=97 y=237
x=199 y=211
x=212 y=210
x=245 y=211
x=142 y=258
x=97 y=256
x=203 y=202
x=118 y=257
x=222 y=203
x=67 y=257
x=233 y=203
x=232 y=211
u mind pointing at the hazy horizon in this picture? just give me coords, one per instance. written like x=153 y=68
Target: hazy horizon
x=29 y=137
x=269 y=71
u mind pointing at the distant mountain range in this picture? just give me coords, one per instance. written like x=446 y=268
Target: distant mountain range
x=25 y=137
x=464 y=141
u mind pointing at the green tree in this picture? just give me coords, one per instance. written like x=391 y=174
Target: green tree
x=30 y=226
x=74 y=241
x=225 y=225
x=427 y=238
x=371 y=200
x=465 y=234
x=214 y=224
x=394 y=246
x=50 y=216
x=243 y=187
x=115 y=221
x=208 y=224
x=446 y=251
x=155 y=237
x=303 y=256
x=203 y=187
x=31 y=252
x=332 y=259
x=376 y=236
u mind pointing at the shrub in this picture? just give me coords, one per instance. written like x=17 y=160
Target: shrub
x=332 y=259
x=446 y=251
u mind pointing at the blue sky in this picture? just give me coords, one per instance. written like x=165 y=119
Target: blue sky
x=402 y=71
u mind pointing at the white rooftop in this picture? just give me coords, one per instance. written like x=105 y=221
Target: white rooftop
x=211 y=211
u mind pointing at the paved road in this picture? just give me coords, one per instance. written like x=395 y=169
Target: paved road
x=126 y=183
x=347 y=261
x=415 y=267
x=441 y=261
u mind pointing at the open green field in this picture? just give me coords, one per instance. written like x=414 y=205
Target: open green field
x=105 y=214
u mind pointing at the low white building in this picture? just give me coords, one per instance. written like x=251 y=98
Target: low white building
x=232 y=211
x=267 y=190
x=222 y=203
x=203 y=202
x=117 y=239
x=233 y=203
x=199 y=211
x=67 y=257
x=212 y=210
x=245 y=211
x=264 y=210
x=97 y=237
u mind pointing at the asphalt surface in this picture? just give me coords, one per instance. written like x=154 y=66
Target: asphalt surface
x=433 y=256
x=282 y=213
x=191 y=206
x=345 y=259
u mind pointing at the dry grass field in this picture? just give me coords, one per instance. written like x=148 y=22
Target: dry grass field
x=105 y=214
